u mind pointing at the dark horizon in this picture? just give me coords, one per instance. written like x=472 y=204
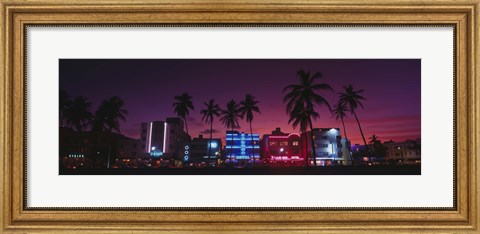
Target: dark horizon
x=392 y=89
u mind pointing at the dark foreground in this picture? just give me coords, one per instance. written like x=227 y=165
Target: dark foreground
x=338 y=170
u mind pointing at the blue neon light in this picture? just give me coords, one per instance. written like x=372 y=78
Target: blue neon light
x=246 y=135
x=156 y=153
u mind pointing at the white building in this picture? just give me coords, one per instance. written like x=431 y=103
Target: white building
x=328 y=147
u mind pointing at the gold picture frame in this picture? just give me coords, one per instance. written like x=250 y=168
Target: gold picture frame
x=16 y=15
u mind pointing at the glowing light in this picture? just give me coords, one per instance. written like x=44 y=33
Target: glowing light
x=165 y=125
x=239 y=147
x=150 y=137
x=213 y=144
x=278 y=137
x=294 y=134
x=281 y=149
x=239 y=139
x=156 y=153
x=153 y=147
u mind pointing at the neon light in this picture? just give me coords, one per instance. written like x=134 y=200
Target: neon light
x=278 y=137
x=239 y=147
x=245 y=135
x=150 y=138
x=239 y=139
x=294 y=134
x=164 y=137
x=285 y=158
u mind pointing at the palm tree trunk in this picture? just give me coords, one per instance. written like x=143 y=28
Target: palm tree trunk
x=361 y=132
x=253 y=149
x=360 y=127
x=306 y=147
x=346 y=139
x=313 y=144
x=210 y=142
x=109 y=148
x=344 y=129
x=186 y=125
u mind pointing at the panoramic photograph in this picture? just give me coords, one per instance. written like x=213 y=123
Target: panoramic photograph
x=239 y=117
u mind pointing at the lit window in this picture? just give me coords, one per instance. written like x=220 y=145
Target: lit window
x=295 y=143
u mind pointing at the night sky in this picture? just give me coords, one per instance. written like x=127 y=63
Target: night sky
x=392 y=89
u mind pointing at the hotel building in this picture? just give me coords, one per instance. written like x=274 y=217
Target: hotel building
x=282 y=149
x=160 y=138
x=405 y=152
x=328 y=147
x=242 y=148
x=203 y=151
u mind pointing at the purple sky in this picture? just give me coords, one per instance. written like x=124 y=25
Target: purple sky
x=392 y=89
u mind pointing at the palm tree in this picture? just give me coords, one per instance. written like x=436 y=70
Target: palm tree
x=182 y=107
x=211 y=111
x=301 y=117
x=306 y=92
x=64 y=105
x=107 y=119
x=373 y=139
x=230 y=117
x=352 y=99
x=78 y=115
x=339 y=111
x=247 y=107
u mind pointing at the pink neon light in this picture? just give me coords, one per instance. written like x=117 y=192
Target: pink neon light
x=284 y=137
x=286 y=156
x=278 y=137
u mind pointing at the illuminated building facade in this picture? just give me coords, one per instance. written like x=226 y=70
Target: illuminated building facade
x=282 y=149
x=202 y=152
x=159 y=138
x=242 y=148
x=328 y=147
x=405 y=152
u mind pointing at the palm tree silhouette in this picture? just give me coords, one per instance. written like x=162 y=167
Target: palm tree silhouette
x=339 y=111
x=211 y=111
x=78 y=115
x=300 y=116
x=352 y=99
x=182 y=107
x=64 y=105
x=247 y=107
x=373 y=139
x=230 y=117
x=107 y=119
x=306 y=92
x=374 y=142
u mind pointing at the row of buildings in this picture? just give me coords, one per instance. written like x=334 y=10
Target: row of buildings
x=164 y=143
